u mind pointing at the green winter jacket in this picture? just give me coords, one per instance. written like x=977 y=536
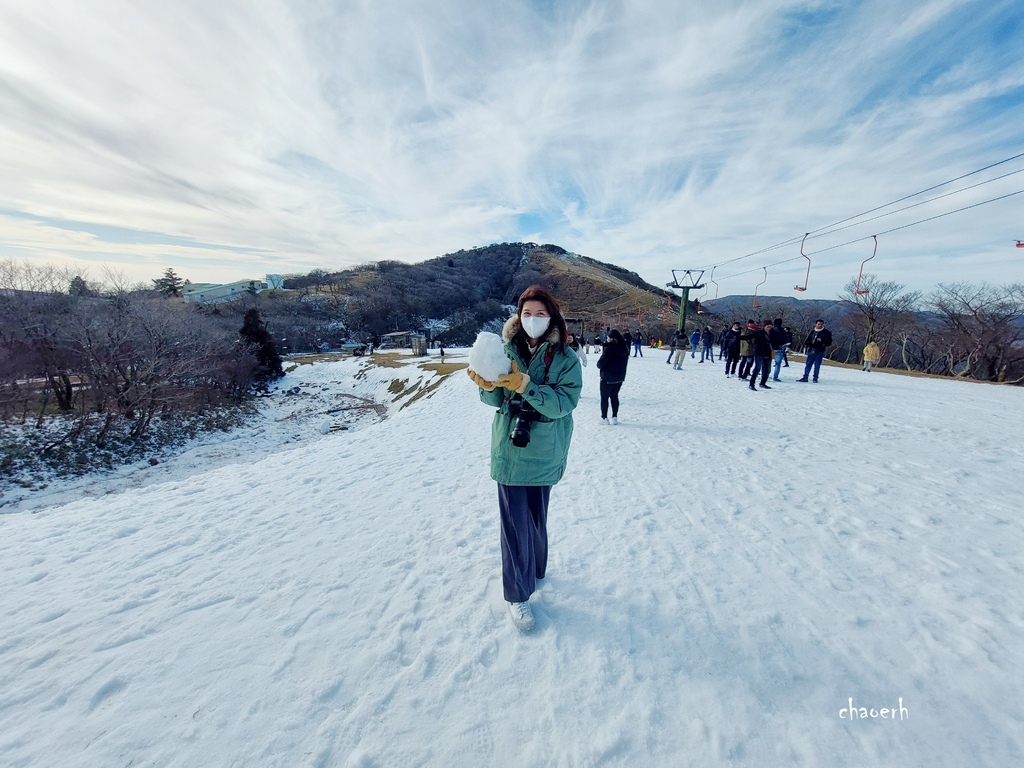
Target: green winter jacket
x=543 y=461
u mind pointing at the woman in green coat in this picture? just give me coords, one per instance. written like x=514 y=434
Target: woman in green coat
x=530 y=438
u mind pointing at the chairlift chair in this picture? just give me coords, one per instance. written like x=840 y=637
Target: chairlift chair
x=712 y=280
x=1020 y=243
x=858 y=290
x=808 y=275
x=756 y=305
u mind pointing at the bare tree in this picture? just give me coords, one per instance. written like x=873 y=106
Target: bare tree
x=884 y=310
x=984 y=329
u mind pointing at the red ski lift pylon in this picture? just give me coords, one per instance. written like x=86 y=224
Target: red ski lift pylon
x=858 y=290
x=808 y=275
x=756 y=305
x=712 y=280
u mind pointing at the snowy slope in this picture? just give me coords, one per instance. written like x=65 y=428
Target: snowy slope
x=728 y=569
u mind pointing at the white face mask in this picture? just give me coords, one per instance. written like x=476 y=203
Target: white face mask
x=535 y=326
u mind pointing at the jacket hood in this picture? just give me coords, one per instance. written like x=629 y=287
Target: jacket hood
x=512 y=326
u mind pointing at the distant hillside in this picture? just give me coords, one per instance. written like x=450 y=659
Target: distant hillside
x=455 y=294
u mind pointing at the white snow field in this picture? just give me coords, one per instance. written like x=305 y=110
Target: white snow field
x=728 y=570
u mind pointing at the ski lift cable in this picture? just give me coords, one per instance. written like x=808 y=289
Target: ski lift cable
x=885 y=232
x=794 y=240
x=820 y=232
x=915 y=205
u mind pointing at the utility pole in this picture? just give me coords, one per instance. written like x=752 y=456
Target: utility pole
x=686 y=280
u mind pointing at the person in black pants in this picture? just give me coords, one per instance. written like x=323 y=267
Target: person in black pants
x=747 y=349
x=762 y=349
x=612 y=364
x=731 y=349
x=817 y=341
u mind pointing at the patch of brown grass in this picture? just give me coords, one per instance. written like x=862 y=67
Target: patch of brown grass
x=426 y=391
x=327 y=357
x=443 y=369
x=391 y=359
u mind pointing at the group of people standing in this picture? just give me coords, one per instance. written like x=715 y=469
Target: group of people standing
x=631 y=340
x=679 y=343
x=751 y=352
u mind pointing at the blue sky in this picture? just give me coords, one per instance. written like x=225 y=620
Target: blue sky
x=232 y=139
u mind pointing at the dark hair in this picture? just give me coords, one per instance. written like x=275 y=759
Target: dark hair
x=777 y=321
x=615 y=336
x=541 y=294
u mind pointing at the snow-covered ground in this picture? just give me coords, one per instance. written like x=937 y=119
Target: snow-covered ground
x=728 y=570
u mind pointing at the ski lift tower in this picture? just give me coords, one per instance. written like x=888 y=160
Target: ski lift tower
x=686 y=280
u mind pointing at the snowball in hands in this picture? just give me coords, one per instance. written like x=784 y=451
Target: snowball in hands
x=487 y=357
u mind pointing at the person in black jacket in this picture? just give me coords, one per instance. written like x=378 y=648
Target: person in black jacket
x=707 y=344
x=612 y=364
x=731 y=349
x=678 y=349
x=762 y=350
x=779 y=342
x=818 y=340
x=638 y=341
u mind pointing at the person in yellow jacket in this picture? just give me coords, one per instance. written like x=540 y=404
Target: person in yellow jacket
x=872 y=354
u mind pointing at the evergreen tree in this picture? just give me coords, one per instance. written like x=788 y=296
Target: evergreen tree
x=255 y=333
x=79 y=287
x=170 y=284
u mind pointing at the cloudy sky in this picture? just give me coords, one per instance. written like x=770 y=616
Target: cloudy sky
x=230 y=139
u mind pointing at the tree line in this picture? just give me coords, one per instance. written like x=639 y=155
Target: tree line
x=99 y=363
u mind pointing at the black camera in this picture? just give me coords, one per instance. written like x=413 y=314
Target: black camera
x=523 y=415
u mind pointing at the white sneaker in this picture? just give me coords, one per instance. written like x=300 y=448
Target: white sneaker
x=522 y=616
x=615 y=420
x=605 y=421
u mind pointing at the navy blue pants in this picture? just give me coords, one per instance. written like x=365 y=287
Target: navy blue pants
x=762 y=364
x=524 y=538
x=814 y=358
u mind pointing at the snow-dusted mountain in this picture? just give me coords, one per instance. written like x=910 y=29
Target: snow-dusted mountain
x=729 y=570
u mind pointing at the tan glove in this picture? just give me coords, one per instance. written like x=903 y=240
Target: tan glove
x=480 y=381
x=514 y=381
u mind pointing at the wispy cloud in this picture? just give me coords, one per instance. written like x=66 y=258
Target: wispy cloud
x=241 y=138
